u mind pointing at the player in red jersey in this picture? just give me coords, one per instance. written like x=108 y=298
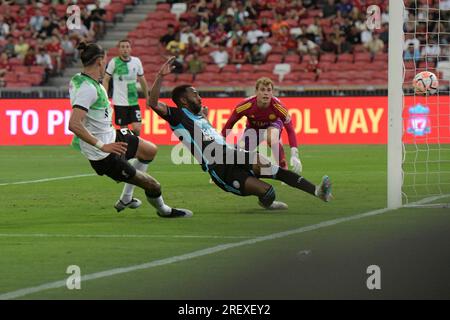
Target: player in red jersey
x=266 y=117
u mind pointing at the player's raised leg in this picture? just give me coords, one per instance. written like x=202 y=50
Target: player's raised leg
x=263 y=168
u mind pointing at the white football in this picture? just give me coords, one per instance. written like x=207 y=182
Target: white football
x=425 y=82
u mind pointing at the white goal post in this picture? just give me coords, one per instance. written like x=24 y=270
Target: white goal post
x=395 y=104
x=418 y=170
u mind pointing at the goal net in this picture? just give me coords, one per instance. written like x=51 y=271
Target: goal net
x=425 y=134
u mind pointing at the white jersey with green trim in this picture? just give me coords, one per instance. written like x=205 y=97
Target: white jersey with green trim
x=90 y=95
x=125 y=74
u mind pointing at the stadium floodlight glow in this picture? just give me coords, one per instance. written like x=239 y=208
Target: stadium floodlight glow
x=418 y=122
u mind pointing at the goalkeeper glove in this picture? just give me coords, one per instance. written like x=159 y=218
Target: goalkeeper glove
x=295 y=162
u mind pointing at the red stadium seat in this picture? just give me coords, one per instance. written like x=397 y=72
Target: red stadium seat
x=292 y=59
x=163 y=7
x=274 y=58
x=328 y=57
x=362 y=56
x=345 y=57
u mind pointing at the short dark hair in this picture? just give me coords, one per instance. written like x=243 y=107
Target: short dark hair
x=123 y=40
x=178 y=93
x=89 y=52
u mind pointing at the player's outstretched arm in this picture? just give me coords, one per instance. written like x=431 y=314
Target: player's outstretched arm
x=152 y=102
x=77 y=127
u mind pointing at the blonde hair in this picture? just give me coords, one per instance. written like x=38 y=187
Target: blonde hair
x=264 y=81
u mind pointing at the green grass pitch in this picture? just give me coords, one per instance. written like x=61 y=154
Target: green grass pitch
x=47 y=226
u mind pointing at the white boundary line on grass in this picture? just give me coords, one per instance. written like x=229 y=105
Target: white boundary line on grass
x=165 y=236
x=48 y=179
x=199 y=253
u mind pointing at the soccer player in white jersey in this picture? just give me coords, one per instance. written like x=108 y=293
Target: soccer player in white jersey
x=107 y=149
x=125 y=70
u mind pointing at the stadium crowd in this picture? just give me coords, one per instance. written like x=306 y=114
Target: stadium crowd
x=34 y=33
x=249 y=32
x=317 y=38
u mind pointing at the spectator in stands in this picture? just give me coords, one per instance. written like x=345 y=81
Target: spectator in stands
x=254 y=34
x=202 y=35
x=178 y=65
x=315 y=30
x=8 y=18
x=30 y=57
x=338 y=39
x=44 y=59
x=329 y=9
x=263 y=47
x=192 y=18
x=412 y=53
x=345 y=7
x=176 y=47
x=241 y=13
x=235 y=36
x=431 y=51
x=410 y=39
x=353 y=37
x=98 y=18
x=4 y=64
x=281 y=7
x=278 y=24
x=306 y=47
x=219 y=36
x=169 y=36
x=4 y=28
x=10 y=47
x=256 y=57
x=220 y=57
x=313 y=65
x=37 y=21
x=229 y=23
x=366 y=36
x=55 y=51
x=195 y=65
x=287 y=41
x=21 y=19
x=384 y=33
x=21 y=48
x=238 y=56
x=191 y=48
x=375 y=46
x=62 y=28
x=187 y=33
x=232 y=9
x=202 y=9
x=68 y=47
x=252 y=9
x=265 y=27
x=47 y=28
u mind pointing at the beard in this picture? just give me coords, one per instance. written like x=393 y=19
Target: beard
x=195 y=108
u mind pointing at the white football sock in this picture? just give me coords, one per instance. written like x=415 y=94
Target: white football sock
x=159 y=205
x=128 y=189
